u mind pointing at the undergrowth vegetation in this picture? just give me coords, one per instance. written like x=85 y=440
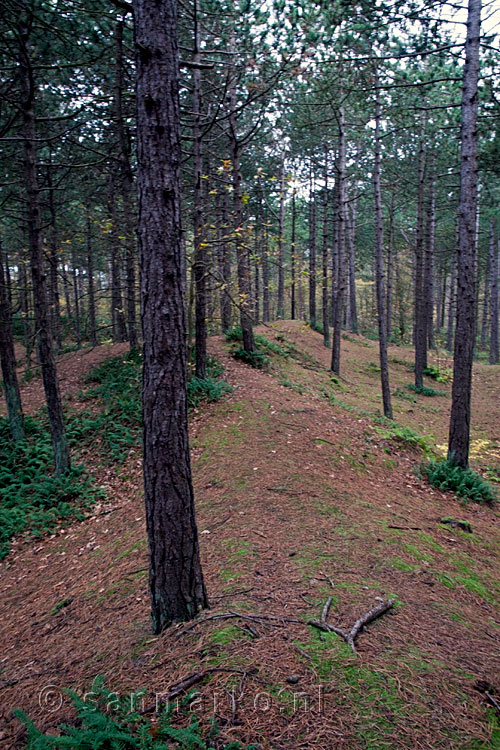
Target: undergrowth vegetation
x=32 y=499
x=424 y=390
x=466 y=483
x=403 y=434
x=439 y=374
x=106 y=721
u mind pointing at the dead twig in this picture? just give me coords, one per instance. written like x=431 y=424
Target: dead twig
x=187 y=682
x=492 y=701
x=326 y=609
x=265 y=619
x=405 y=528
x=351 y=635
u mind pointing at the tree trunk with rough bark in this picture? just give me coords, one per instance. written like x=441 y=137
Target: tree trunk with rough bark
x=338 y=313
x=8 y=362
x=379 y=266
x=90 y=284
x=495 y=266
x=199 y=266
x=420 y=321
x=38 y=274
x=324 y=257
x=459 y=436
x=293 y=259
x=487 y=286
x=126 y=178
x=312 y=256
x=429 y=264
x=54 y=263
x=281 y=260
x=224 y=256
x=351 y=227
x=243 y=267
x=117 y=311
x=175 y=577
x=390 y=246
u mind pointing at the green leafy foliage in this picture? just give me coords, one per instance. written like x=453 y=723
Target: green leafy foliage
x=403 y=434
x=423 y=390
x=234 y=334
x=31 y=499
x=465 y=483
x=106 y=721
x=318 y=327
x=206 y=389
x=118 y=388
x=439 y=374
x=255 y=359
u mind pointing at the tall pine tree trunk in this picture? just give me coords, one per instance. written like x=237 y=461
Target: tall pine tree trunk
x=338 y=313
x=312 y=255
x=243 y=268
x=175 y=577
x=38 y=274
x=379 y=266
x=293 y=258
x=390 y=246
x=324 y=256
x=495 y=270
x=117 y=311
x=451 y=302
x=429 y=264
x=199 y=267
x=459 y=437
x=281 y=259
x=224 y=256
x=8 y=362
x=487 y=286
x=420 y=321
x=266 y=315
x=91 y=286
x=351 y=226
x=54 y=263
x=126 y=178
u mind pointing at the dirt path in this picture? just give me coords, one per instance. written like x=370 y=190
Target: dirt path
x=298 y=500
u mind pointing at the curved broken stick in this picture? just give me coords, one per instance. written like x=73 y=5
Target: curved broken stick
x=350 y=636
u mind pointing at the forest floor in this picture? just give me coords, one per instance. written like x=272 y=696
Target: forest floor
x=302 y=494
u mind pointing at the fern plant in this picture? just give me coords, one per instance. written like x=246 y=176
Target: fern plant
x=466 y=483
x=106 y=721
x=255 y=359
x=31 y=498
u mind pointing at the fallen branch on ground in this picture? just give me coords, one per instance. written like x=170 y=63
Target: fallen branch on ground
x=351 y=635
x=189 y=681
x=266 y=619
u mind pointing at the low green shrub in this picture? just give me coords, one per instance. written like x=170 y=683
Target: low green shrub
x=106 y=721
x=205 y=389
x=423 y=390
x=255 y=359
x=32 y=500
x=318 y=327
x=234 y=334
x=403 y=434
x=466 y=483
x=270 y=346
x=438 y=373
x=401 y=393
